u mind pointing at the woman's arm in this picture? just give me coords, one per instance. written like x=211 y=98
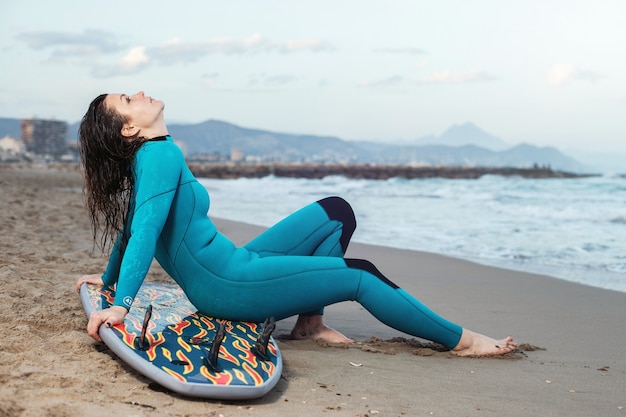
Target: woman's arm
x=158 y=167
x=112 y=271
x=157 y=173
x=109 y=316
x=89 y=279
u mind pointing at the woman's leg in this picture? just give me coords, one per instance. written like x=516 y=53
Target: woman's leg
x=282 y=286
x=323 y=228
x=238 y=285
x=398 y=309
x=431 y=326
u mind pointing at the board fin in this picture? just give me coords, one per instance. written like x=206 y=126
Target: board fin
x=142 y=343
x=210 y=361
x=260 y=346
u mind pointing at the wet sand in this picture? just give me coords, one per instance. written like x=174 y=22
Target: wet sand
x=572 y=361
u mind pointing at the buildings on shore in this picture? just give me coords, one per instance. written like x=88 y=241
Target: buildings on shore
x=45 y=137
x=43 y=140
x=11 y=148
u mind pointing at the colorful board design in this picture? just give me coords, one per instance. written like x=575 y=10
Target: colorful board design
x=178 y=340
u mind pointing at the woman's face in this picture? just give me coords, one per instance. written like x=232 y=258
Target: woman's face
x=142 y=113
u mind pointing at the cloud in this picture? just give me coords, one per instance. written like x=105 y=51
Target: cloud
x=135 y=58
x=561 y=74
x=280 y=79
x=449 y=77
x=311 y=45
x=210 y=76
x=406 y=51
x=176 y=50
x=87 y=43
x=391 y=81
x=90 y=44
x=271 y=80
x=442 y=77
x=134 y=61
x=589 y=75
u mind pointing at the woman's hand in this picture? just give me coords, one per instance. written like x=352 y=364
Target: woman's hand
x=90 y=279
x=109 y=317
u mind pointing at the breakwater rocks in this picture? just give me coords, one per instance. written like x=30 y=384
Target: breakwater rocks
x=375 y=172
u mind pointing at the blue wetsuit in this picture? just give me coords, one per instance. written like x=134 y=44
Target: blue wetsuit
x=295 y=267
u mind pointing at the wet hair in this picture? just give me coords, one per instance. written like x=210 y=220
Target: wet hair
x=107 y=161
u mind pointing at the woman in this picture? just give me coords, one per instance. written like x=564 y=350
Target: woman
x=141 y=194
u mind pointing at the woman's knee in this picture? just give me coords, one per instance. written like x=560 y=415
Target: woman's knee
x=339 y=209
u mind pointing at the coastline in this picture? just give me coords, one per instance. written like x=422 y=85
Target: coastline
x=50 y=366
x=368 y=171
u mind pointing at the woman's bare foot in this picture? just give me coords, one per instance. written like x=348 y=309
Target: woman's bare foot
x=476 y=344
x=312 y=327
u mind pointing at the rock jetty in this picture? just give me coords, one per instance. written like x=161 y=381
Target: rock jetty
x=376 y=172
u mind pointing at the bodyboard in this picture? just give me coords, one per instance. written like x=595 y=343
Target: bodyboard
x=178 y=340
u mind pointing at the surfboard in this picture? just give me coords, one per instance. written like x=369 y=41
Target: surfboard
x=167 y=340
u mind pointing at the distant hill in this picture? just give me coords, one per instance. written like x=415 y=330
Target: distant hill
x=520 y=156
x=217 y=136
x=465 y=134
x=460 y=145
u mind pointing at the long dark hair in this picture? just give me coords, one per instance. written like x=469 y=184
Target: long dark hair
x=107 y=159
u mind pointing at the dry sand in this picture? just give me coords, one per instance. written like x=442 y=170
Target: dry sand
x=50 y=367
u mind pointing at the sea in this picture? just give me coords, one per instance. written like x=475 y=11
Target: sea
x=569 y=229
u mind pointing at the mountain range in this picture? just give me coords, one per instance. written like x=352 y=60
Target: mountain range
x=464 y=144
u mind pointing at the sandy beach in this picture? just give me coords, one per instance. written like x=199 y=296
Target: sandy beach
x=572 y=361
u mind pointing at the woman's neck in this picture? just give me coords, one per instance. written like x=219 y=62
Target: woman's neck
x=156 y=130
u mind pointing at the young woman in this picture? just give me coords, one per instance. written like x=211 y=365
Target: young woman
x=142 y=196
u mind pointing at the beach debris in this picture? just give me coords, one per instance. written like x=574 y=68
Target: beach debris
x=373 y=349
x=548 y=381
x=356 y=364
x=527 y=347
x=397 y=345
x=604 y=368
x=424 y=352
x=136 y=404
x=330 y=407
x=572 y=391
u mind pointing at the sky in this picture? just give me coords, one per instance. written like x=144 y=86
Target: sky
x=543 y=72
